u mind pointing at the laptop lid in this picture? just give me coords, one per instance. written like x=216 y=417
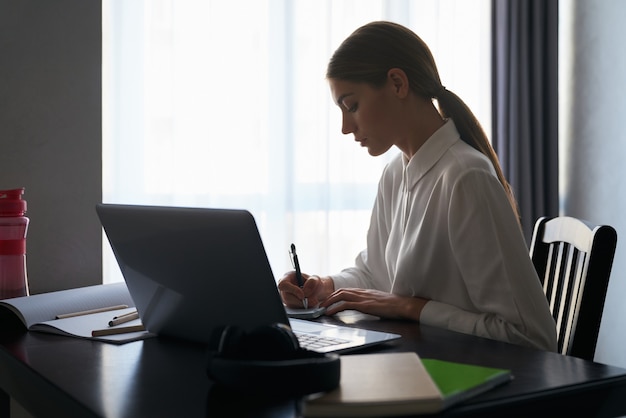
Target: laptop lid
x=191 y=271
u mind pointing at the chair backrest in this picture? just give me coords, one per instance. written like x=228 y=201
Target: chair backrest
x=573 y=261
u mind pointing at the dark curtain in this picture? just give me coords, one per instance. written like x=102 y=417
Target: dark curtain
x=525 y=103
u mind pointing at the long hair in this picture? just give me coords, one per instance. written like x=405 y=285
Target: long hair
x=372 y=50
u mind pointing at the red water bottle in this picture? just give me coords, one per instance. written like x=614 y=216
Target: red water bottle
x=13 y=227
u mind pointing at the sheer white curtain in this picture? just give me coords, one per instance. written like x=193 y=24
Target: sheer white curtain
x=223 y=103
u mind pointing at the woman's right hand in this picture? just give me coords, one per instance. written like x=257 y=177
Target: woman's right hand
x=315 y=289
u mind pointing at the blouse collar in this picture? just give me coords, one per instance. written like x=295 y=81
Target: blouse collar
x=431 y=151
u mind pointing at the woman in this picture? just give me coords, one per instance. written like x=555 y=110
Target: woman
x=444 y=246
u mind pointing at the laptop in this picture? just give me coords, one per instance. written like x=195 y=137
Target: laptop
x=192 y=271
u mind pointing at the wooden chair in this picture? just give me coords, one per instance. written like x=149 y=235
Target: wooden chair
x=573 y=261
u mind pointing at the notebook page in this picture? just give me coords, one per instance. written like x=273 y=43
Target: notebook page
x=46 y=306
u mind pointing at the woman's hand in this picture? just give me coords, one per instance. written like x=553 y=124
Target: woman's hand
x=375 y=302
x=315 y=289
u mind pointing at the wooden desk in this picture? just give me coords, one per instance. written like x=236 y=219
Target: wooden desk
x=62 y=376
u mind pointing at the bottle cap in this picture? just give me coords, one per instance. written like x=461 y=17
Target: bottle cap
x=11 y=203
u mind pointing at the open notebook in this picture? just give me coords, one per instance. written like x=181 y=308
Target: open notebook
x=191 y=271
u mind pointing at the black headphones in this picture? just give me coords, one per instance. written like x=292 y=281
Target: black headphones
x=269 y=359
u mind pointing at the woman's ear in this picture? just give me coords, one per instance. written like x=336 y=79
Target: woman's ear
x=399 y=81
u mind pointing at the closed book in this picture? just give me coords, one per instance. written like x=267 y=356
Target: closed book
x=393 y=384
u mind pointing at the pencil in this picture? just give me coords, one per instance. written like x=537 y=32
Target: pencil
x=123 y=318
x=117 y=330
x=91 y=311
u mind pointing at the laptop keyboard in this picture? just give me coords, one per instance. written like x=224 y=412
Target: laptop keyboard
x=314 y=341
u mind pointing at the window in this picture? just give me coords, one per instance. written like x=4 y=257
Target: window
x=223 y=103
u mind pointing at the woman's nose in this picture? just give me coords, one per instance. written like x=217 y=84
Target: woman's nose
x=347 y=125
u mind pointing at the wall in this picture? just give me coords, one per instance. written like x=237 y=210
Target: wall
x=593 y=140
x=50 y=134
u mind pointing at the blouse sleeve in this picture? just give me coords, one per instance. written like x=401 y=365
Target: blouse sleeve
x=492 y=256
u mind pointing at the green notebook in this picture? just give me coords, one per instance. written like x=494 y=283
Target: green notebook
x=394 y=384
x=459 y=381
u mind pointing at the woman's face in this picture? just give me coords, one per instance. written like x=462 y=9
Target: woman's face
x=369 y=113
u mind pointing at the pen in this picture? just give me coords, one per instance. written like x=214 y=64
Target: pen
x=117 y=330
x=123 y=318
x=91 y=311
x=296 y=265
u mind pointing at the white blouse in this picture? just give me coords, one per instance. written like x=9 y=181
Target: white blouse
x=442 y=228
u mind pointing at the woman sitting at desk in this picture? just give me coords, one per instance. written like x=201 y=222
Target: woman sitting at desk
x=444 y=246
